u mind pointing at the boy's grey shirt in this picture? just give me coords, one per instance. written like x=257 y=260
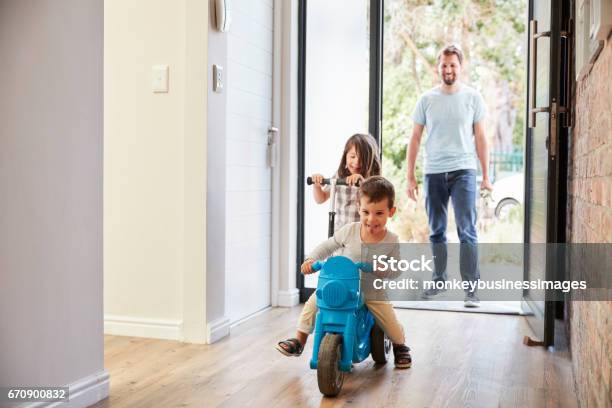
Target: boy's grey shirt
x=347 y=242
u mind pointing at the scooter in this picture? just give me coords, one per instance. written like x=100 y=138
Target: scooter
x=333 y=182
x=345 y=331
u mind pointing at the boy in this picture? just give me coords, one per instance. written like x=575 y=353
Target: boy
x=376 y=199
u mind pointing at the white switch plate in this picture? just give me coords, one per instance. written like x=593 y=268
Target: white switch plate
x=217 y=78
x=159 y=78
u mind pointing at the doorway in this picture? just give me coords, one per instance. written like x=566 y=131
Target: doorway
x=494 y=38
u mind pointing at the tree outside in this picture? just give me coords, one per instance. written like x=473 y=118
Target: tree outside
x=492 y=36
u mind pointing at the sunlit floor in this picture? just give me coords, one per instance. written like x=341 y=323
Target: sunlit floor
x=459 y=359
x=502 y=307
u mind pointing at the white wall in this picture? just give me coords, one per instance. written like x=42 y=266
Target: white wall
x=155 y=173
x=217 y=320
x=51 y=187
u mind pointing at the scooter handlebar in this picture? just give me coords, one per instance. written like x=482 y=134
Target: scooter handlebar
x=317 y=266
x=364 y=266
x=327 y=181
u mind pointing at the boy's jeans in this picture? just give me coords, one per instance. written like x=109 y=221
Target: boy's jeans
x=460 y=186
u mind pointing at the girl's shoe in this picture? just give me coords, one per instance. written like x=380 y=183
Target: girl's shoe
x=290 y=347
x=402 y=356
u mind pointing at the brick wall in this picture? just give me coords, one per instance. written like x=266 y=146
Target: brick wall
x=589 y=221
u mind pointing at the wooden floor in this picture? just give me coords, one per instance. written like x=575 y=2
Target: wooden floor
x=459 y=360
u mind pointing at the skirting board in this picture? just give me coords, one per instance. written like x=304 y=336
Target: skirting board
x=217 y=329
x=288 y=298
x=82 y=393
x=143 y=327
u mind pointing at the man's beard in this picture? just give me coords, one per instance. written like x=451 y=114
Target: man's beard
x=449 y=80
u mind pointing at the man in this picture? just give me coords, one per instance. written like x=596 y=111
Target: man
x=454 y=116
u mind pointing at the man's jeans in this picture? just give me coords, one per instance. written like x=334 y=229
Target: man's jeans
x=460 y=186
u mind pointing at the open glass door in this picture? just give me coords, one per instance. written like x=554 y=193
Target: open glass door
x=544 y=151
x=335 y=82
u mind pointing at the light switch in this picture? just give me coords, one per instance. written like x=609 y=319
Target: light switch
x=217 y=78
x=159 y=78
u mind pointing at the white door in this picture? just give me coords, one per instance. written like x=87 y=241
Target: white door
x=249 y=183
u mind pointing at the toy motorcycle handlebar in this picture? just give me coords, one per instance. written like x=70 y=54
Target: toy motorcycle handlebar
x=327 y=181
x=364 y=266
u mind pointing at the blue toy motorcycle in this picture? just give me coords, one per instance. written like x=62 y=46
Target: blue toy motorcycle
x=345 y=331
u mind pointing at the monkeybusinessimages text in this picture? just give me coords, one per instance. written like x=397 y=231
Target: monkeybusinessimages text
x=384 y=263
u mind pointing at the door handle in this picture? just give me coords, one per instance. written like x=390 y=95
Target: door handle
x=533 y=55
x=554 y=109
x=272 y=132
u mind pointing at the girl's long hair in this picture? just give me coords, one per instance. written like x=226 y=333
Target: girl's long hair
x=367 y=150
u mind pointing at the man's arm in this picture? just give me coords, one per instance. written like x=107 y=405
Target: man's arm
x=482 y=150
x=411 y=155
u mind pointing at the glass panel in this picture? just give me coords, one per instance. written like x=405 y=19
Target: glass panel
x=337 y=96
x=495 y=64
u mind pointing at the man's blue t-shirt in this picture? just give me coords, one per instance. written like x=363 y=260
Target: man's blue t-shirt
x=449 y=120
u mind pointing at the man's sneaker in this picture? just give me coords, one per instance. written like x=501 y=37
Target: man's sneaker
x=431 y=293
x=471 y=300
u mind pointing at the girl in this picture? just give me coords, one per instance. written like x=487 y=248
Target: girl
x=359 y=161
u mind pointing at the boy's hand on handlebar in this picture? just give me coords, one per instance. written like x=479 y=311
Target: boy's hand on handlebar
x=354 y=179
x=317 y=179
x=306 y=267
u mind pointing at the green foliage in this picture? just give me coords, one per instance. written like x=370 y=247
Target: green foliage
x=491 y=34
x=518 y=133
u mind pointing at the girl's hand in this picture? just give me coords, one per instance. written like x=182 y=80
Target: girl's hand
x=317 y=179
x=354 y=179
x=306 y=267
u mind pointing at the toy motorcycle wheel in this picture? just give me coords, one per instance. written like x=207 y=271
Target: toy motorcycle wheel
x=329 y=376
x=380 y=345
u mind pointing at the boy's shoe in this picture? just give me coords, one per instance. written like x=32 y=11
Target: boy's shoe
x=401 y=353
x=432 y=292
x=471 y=300
x=290 y=347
